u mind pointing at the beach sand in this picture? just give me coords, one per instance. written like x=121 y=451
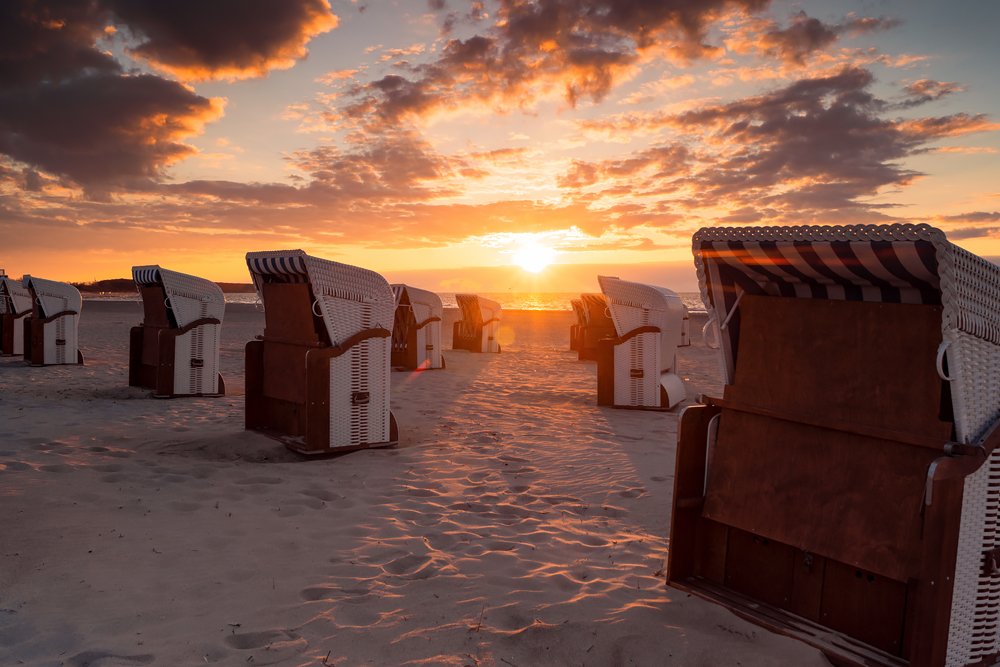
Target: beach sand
x=515 y=524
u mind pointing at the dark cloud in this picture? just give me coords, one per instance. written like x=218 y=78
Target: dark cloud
x=70 y=109
x=812 y=150
x=103 y=129
x=973 y=217
x=228 y=38
x=803 y=36
x=928 y=90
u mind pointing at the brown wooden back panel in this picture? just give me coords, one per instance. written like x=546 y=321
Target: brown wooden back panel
x=154 y=307
x=288 y=312
x=848 y=497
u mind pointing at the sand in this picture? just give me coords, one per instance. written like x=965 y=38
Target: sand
x=515 y=524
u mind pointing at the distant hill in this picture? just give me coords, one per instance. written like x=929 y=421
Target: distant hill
x=127 y=285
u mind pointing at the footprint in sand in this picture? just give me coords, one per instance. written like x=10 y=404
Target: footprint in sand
x=632 y=493
x=405 y=564
x=658 y=479
x=355 y=617
x=320 y=494
x=114 y=478
x=278 y=646
x=60 y=468
x=106 y=658
x=17 y=465
x=185 y=507
x=107 y=467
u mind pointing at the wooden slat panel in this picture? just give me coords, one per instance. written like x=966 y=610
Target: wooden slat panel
x=760 y=568
x=867 y=363
x=864 y=605
x=847 y=497
x=807 y=585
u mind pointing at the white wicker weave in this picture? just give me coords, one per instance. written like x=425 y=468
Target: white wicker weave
x=425 y=305
x=922 y=267
x=635 y=305
x=190 y=298
x=350 y=300
x=60 y=339
x=16 y=299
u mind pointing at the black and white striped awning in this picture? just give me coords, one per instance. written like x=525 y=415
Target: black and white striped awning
x=146 y=275
x=279 y=268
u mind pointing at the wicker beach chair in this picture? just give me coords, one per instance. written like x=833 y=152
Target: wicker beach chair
x=416 y=330
x=581 y=321
x=845 y=489
x=175 y=351
x=477 y=330
x=15 y=308
x=50 y=332
x=637 y=369
x=318 y=379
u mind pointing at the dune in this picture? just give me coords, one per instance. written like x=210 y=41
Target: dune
x=516 y=523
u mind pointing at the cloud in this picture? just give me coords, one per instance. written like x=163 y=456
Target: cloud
x=103 y=129
x=928 y=90
x=803 y=36
x=811 y=151
x=71 y=109
x=233 y=39
x=574 y=49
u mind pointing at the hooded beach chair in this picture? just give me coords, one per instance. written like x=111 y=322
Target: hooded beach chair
x=637 y=367
x=574 y=329
x=597 y=325
x=15 y=307
x=175 y=351
x=318 y=379
x=50 y=332
x=477 y=329
x=416 y=330
x=844 y=490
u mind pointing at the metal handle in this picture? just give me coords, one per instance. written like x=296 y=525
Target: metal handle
x=316 y=303
x=166 y=302
x=711 y=437
x=940 y=360
x=704 y=334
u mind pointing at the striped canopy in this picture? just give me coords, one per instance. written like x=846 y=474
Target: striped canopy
x=279 y=267
x=909 y=264
x=146 y=275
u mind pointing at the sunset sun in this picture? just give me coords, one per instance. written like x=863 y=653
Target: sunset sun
x=533 y=256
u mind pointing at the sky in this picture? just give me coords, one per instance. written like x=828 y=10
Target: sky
x=442 y=142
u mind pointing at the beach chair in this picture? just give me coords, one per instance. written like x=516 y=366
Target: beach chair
x=685 y=329
x=844 y=490
x=175 y=351
x=318 y=379
x=581 y=321
x=416 y=329
x=15 y=307
x=477 y=329
x=50 y=332
x=597 y=325
x=637 y=367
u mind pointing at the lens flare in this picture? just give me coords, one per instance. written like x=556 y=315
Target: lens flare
x=533 y=256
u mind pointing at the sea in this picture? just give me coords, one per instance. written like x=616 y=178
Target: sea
x=507 y=300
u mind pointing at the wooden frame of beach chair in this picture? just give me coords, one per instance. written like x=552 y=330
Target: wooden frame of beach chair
x=637 y=368
x=477 y=329
x=416 y=329
x=15 y=309
x=598 y=325
x=50 y=333
x=318 y=379
x=175 y=351
x=574 y=329
x=844 y=490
